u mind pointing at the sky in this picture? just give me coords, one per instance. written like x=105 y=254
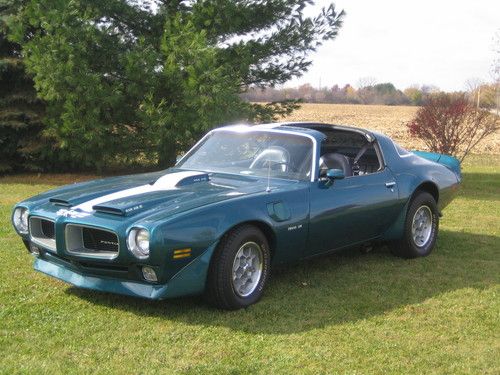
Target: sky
x=440 y=42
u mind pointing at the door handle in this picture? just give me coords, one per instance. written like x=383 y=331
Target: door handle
x=390 y=185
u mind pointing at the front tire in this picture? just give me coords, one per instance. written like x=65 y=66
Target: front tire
x=239 y=269
x=421 y=228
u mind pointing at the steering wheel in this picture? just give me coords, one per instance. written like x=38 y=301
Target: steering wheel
x=274 y=155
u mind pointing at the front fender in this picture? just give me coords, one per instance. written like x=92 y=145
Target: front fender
x=204 y=226
x=191 y=279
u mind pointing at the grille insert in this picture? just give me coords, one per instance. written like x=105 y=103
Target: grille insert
x=99 y=240
x=91 y=242
x=42 y=233
x=48 y=228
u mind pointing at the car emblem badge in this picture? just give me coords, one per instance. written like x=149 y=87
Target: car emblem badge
x=71 y=213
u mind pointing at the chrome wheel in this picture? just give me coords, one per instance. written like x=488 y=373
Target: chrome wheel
x=421 y=228
x=247 y=268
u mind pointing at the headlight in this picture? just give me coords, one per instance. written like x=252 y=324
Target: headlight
x=138 y=242
x=20 y=219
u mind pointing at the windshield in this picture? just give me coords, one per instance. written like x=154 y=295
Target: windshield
x=254 y=153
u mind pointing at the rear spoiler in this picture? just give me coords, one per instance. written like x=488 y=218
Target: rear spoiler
x=448 y=161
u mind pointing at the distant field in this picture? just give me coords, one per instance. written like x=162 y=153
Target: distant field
x=389 y=120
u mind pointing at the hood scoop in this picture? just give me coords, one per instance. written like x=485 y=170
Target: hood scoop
x=179 y=179
x=110 y=210
x=60 y=202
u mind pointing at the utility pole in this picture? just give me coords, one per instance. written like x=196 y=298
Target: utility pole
x=497 y=94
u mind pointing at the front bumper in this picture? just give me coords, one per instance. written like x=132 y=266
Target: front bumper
x=188 y=281
x=103 y=284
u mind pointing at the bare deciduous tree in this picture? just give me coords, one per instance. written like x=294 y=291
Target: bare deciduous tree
x=366 y=82
x=451 y=124
x=473 y=87
x=495 y=70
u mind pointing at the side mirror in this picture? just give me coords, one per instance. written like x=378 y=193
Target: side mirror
x=335 y=174
x=332 y=175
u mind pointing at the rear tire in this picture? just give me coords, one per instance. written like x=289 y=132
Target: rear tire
x=239 y=269
x=421 y=228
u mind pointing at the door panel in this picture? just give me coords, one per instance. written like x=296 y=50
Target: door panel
x=352 y=210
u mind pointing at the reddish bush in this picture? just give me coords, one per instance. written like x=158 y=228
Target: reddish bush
x=451 y=124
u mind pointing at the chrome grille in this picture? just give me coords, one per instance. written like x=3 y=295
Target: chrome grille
x=42 y=233
x=91 y=242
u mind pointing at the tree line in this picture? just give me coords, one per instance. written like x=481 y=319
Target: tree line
x=368 y=92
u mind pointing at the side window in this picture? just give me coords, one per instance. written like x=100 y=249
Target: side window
x=368 y=162
x=349 y=151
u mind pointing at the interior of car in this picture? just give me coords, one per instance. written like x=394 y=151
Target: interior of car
x=347 y=150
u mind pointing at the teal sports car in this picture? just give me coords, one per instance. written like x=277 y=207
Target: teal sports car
x=242 y=200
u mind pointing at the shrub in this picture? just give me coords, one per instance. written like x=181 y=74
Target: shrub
x=451 y=124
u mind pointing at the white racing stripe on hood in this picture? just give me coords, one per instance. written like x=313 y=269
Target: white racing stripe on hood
x=166 y=182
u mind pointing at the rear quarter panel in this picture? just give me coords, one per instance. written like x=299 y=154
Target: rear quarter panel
x=411 y=171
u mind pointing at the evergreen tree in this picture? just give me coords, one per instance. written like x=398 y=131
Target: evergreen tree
x=20 y=110
x=126 y=78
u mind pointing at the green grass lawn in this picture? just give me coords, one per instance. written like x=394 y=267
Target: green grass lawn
x=348 y=313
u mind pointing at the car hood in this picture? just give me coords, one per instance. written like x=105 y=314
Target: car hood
x=171 y=192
